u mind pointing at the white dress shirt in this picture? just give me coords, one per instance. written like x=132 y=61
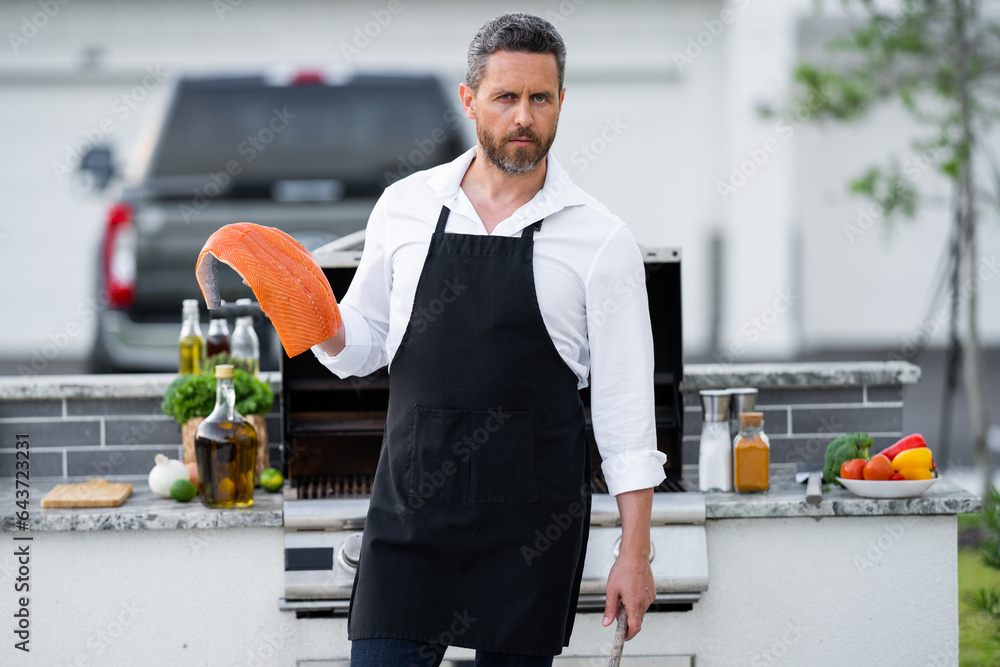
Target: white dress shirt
x=590 y=285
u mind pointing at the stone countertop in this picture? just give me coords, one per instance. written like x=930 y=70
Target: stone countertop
x=125 y=385
x=143 y=510
x=787 y=498
x=696 y=376
x=802 y=374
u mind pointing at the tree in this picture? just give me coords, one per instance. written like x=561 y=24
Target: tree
x=941 y=60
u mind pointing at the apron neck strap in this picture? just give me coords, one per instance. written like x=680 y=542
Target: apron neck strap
x=442 y=220
x=528 y=233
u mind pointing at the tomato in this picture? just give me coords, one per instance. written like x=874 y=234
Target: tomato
x=879 y=468
x=853 y=469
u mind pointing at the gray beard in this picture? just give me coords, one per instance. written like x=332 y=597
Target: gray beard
x=511 y=164
x=518 y=163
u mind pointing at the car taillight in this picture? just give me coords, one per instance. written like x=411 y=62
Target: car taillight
x=119 y=256
x=308 y=76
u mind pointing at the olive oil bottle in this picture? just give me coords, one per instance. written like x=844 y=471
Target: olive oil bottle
x=225 y=448
x=191 y=346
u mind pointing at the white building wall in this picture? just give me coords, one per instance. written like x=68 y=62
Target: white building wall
x=678 y=130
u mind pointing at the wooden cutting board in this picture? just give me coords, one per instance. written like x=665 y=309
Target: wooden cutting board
x=98 y=492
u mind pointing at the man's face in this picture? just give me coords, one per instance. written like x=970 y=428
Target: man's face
x=516 y=109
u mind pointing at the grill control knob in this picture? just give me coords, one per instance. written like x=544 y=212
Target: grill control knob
x=349 y=553
x=618 y=546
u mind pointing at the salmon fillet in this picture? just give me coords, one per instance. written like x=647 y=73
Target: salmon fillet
x=288 y=283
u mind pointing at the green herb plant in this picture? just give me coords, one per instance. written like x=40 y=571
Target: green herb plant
x=194 y=395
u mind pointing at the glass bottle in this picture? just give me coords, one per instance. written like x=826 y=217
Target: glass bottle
x=751 y=455
x=715 y=450
x=225 y=449
x=218 y=335
x=191 y=346
x=244 y=344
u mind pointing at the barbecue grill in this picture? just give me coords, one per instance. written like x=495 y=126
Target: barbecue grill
x=332 y=432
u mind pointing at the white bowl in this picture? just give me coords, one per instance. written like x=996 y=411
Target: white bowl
x=897 y=488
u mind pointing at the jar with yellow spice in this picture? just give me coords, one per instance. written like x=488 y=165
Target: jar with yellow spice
x=751 y=455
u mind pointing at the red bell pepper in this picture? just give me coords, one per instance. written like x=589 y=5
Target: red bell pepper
x=909 y=442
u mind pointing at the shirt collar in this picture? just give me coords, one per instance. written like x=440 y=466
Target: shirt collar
x=558 y=191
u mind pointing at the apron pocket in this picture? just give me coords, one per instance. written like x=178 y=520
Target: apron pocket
x=502 y=465
x=482 y=456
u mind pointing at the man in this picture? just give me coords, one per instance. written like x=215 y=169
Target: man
x=492 y=286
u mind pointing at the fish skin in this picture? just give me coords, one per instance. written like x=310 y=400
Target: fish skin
x=288 y=283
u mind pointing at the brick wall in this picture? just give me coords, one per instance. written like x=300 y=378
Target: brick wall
x=112 y=426
x=107 y=437
x=801 y=421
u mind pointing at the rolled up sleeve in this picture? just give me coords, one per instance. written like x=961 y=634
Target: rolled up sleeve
x=621 y=371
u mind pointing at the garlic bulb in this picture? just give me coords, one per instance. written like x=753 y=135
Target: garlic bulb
x=165 y=473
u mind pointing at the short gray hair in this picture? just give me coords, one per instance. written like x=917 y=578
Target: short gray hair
x=518 y=33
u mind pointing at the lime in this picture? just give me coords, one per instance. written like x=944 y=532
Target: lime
x=271 y=480
x=183 y=490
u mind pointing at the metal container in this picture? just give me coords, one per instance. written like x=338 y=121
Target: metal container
x=715 y=450
x=742 y=399
x=714 y=405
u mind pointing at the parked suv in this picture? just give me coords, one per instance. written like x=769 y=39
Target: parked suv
x=307 y=152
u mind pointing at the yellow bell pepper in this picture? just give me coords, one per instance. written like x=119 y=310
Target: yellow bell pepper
x=919 y=459
x=915 y=473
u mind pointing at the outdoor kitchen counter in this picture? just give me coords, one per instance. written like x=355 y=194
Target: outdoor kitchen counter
x=142 y=510
x=787 y=498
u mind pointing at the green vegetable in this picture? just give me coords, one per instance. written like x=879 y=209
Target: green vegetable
x=843 y=449
x=183 y=490
x=194 y=395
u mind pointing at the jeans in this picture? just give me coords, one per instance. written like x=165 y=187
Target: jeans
x=382 y=652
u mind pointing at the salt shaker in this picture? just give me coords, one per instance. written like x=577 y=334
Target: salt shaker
x=715 y=453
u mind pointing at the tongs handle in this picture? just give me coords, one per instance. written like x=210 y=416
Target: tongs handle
x=619 y=642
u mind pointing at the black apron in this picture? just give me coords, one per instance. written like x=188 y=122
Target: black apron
x=480 y=510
